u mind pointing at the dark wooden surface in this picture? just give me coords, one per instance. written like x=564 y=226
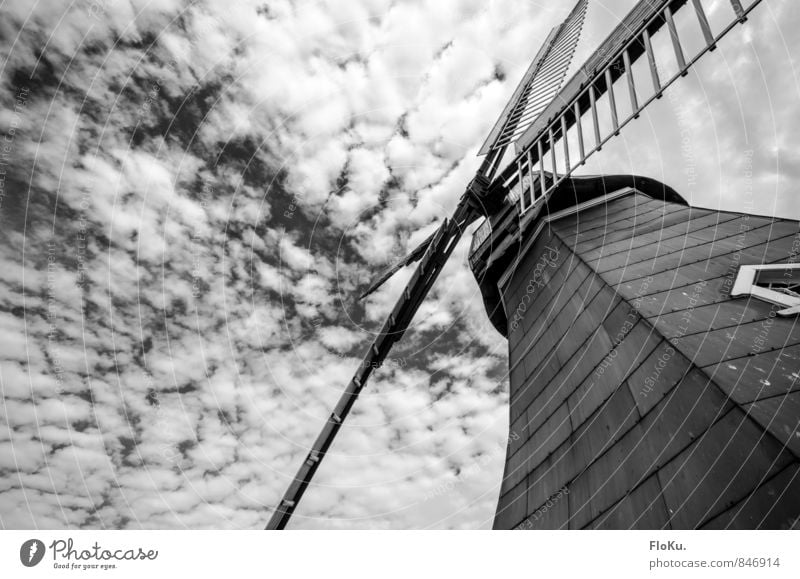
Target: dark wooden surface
x=642 y=395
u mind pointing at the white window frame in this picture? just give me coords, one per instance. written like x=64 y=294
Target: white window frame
x=746 y=284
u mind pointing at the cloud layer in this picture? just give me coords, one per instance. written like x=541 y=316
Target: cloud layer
x=194 y=193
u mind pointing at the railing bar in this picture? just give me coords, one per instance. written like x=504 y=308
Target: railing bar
x=579 y=126
x=593 y=105
x=566 y=143
x=626 y=58
x=540 y=150
x=676 y=42
x=612 y=103
x=739 y=10
x=704 y=26
x=651 y=59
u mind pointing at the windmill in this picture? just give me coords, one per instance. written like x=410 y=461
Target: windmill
x=525 y=182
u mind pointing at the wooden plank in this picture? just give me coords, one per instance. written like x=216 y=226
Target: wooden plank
x=604 y=214
x=587 y=236
x=551 y=476
x=724 y=314
x=511 y=508
x=612 y=102
x=651 y=61
x=608 y=478
x=561 y=319
x=644 y=508
x=762 y=376
x=553 y=514
x=661 y=371
x=688 y=248
x=729 y=343
x=674 y=223
x=595 y=122
x=780 y=415
x=775 y=505
x=648 y=227
x=579 y=129
x=612 y=372
x=720 y=468
x=568 y=378
x=676 y=42
x=714 y=260
x=704 y=26
x=616 y=416
x=547 y=437
x=666 y=292
x=626 y=58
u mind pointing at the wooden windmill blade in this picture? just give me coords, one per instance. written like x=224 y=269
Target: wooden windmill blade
x=439 y=248
x=548 y=70
x=540 y=83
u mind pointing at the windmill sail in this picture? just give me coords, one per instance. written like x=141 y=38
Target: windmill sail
x=541 y=82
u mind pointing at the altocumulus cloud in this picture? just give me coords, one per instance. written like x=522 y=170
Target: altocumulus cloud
x=193 y=196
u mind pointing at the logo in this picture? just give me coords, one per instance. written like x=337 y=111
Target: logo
x=31 y=552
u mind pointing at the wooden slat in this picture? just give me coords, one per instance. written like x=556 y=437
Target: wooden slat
x=704 y=26
x=773 y=506
x=612 y=102
x=595 y=121
x=582 y=151
x=722 y=467
x=764 y=375
x=676 y=41
x=631 y=84
x=651 y=60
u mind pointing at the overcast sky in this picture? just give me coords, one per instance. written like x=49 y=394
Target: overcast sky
x=193 y=195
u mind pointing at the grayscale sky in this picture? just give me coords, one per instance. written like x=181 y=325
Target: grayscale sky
x=193 y=195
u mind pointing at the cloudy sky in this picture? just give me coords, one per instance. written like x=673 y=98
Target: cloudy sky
x=192 y=195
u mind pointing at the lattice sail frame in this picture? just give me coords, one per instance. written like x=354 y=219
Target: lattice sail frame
x=541 y=82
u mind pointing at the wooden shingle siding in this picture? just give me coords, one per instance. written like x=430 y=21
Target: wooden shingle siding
x=781 y=493
x=766 y=375
x=633 y=374
x=780 y=415
x=720 y=469
x=643 y=508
